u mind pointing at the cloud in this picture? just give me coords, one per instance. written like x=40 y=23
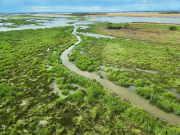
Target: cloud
x=87 y=6
x=61 y=9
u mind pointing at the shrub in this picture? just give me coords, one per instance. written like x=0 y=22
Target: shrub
x=164 y=104
x=138 y=83
x=76 y=97
x=90 y=68
x=20 y=94
x=44 y=96
x=158 y=89
x=123 y=83
x=72 y=78
x=65 y=91
x=120 y=125
x=91 y=99
x=81 y=81
x=95 y=91
x=108 y=69
x=95 y=63
x=59 y=73
x=139 y=90
x=72 y=58
x=50 y=79
x=154 y=98
x=173 y=28
x=5 y=90
x=66 y=73
x=101 y=76
x=30 y=73
x=176 y=108
x=59 y=80
x=169 y=95
x=114 y=103
x=94 y=112
x=66 y=86
x=59 y=101
x=148 y=83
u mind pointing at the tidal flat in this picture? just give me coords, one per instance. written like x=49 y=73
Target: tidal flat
x=40 y=95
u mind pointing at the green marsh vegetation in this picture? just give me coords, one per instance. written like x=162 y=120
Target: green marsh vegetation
x=117 y=26
x=173 y=28
x=20 y=20
x=103 y=112
x=156 y=33
x=160 y=62
x=73 y=18
x=28 y=106
x=23 y=75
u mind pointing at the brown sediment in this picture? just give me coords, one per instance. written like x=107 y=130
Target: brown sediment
x=155 y=23
x=143 y=34
x=149 y=14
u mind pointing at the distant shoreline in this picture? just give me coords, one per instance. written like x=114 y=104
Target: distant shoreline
x=136 y=14
x=132 y=14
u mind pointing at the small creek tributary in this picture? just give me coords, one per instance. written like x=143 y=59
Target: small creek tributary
x=121 y=91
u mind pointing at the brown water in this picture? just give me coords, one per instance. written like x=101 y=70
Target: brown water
x=121 y=91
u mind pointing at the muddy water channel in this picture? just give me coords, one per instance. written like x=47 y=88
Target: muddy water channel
x=126 y=93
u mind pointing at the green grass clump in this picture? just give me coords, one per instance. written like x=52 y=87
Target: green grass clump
x=66 y=86
x=94 y=112
x=20 y=94
x=117 y=26
x=176 y=108
x=59 y=101
x=65 y=91
x=73 y=18
x=77 y=97
x=173 y=28
x=115 y=104
x=138 y=83
x=50 y=79
x=59 y=80
x=6 y=91
x=165 y=100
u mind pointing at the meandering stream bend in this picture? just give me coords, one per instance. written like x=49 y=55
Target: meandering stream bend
x=121 y=91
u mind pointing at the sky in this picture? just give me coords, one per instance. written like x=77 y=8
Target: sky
x=19 y=6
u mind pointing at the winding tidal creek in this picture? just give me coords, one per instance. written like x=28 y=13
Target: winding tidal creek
x=121 y=91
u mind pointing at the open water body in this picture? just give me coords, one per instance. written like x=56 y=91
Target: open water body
x=121 y=91
x=88 y=20
x=129 y=19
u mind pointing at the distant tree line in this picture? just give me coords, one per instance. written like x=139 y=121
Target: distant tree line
x=83 y=14
x=123 y=26
x=172 y=12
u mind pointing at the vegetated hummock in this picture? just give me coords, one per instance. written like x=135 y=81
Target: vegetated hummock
x=29 y=106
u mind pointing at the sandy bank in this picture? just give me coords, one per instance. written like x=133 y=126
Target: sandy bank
x=150 y=14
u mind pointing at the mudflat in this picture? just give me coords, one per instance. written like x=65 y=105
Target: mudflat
x=144 y=14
